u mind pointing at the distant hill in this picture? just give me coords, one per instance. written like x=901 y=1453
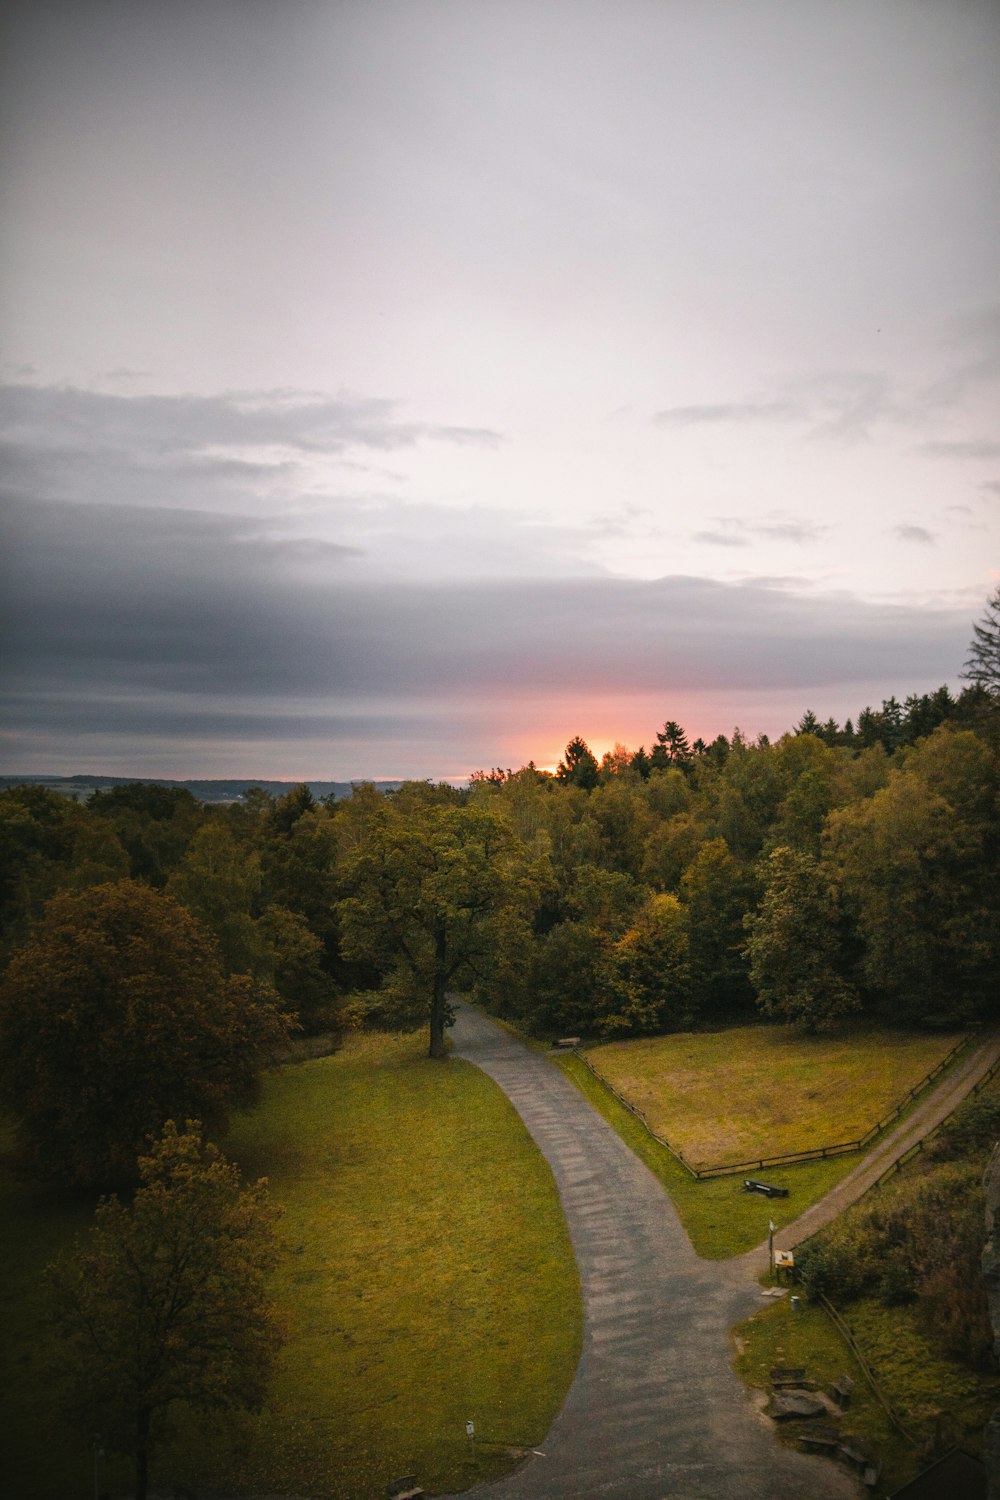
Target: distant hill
x=80 y=787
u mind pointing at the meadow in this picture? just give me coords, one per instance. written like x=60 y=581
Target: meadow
x=752 y=1091
x=428 y=1281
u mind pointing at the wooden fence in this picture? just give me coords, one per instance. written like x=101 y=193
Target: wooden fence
x=866 y=1368
x=788 y=1158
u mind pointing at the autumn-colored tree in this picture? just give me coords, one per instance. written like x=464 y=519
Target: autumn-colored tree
x=648 y=987
x=115 y=1016
x=165 y=1302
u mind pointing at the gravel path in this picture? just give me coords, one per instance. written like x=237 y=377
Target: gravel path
x=655 y=1411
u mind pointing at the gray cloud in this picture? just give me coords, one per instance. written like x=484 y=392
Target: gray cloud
x=739 y=531
x=914 y=534
x=733 y=411
x=117 y=617
x=721 y=539
x=53 y=427
x=840 y=406
x=980 y=448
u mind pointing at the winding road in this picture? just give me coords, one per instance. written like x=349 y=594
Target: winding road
x=655 y=1411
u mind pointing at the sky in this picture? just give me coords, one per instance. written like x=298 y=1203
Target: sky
x=402 y=387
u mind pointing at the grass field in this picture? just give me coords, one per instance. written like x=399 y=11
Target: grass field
x=755 y=1091
x=429 y=1281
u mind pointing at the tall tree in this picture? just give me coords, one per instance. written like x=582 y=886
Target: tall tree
x=579 y=768
x=671 y=748
x=165 y=1303
x=716 y=893
x=218 y=881
x=793 y=944
x=982 y=666
x=423 y=889
x=115 y=1016
x=917 y=863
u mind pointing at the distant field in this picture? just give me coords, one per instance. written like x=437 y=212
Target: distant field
x=429 y=1282
x=758 y=1090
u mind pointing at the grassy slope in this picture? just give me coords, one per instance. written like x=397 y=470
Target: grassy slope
x=430 y=1281
x=765 y=1090
x=806 y=1336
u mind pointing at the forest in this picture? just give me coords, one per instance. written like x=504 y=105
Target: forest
x=688 y=885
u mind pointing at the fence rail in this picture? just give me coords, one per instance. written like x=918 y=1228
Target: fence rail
x=787 y=1158
x=866 y=1368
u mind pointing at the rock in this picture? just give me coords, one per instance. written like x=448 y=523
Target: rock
x=788 y=1404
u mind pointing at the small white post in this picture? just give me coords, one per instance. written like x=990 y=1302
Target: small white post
x=470 y=1432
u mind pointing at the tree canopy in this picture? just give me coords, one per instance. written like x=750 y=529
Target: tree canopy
x=423 y=890
x=116 y=1015
x=165 y=1302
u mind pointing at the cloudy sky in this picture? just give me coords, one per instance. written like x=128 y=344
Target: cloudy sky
x=398 y=387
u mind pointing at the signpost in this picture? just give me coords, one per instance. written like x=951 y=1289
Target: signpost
x=470 y=1432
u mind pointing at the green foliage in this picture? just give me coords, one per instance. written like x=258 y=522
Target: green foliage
x=793 y=945
x=649 y=979
x=153 y=823
x=116 y=1016
x=918 y=1240
x=218 y=881
x=982 y=667
x=717 y=892
x=917 y=862
x=580 y=766
x=166 y=1301
x=423 y=890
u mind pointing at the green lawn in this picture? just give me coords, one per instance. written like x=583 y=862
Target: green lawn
x=429 y=1281
x=753 y=1091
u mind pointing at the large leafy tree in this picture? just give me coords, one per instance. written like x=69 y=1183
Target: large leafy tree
x=218 y=881
x=115 y=1016
x=917 y=863
x=717 y=892
x=165 y=1302
x=425 y=891
x=794 y=943
x=648 y=987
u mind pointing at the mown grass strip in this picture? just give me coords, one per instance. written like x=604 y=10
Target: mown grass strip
x=429 y=1281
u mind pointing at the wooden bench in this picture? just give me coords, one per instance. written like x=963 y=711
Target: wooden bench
x=567 y=1042
x=787 y=1375
x=405 y=1488
x=753 y=1185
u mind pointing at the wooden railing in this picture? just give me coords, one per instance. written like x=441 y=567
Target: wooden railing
x=787 y=1158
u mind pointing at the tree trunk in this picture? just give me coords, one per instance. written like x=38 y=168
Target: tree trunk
x=439 y=1002
x=142 y=1455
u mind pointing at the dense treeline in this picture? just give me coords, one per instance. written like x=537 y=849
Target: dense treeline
x=829 y=871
